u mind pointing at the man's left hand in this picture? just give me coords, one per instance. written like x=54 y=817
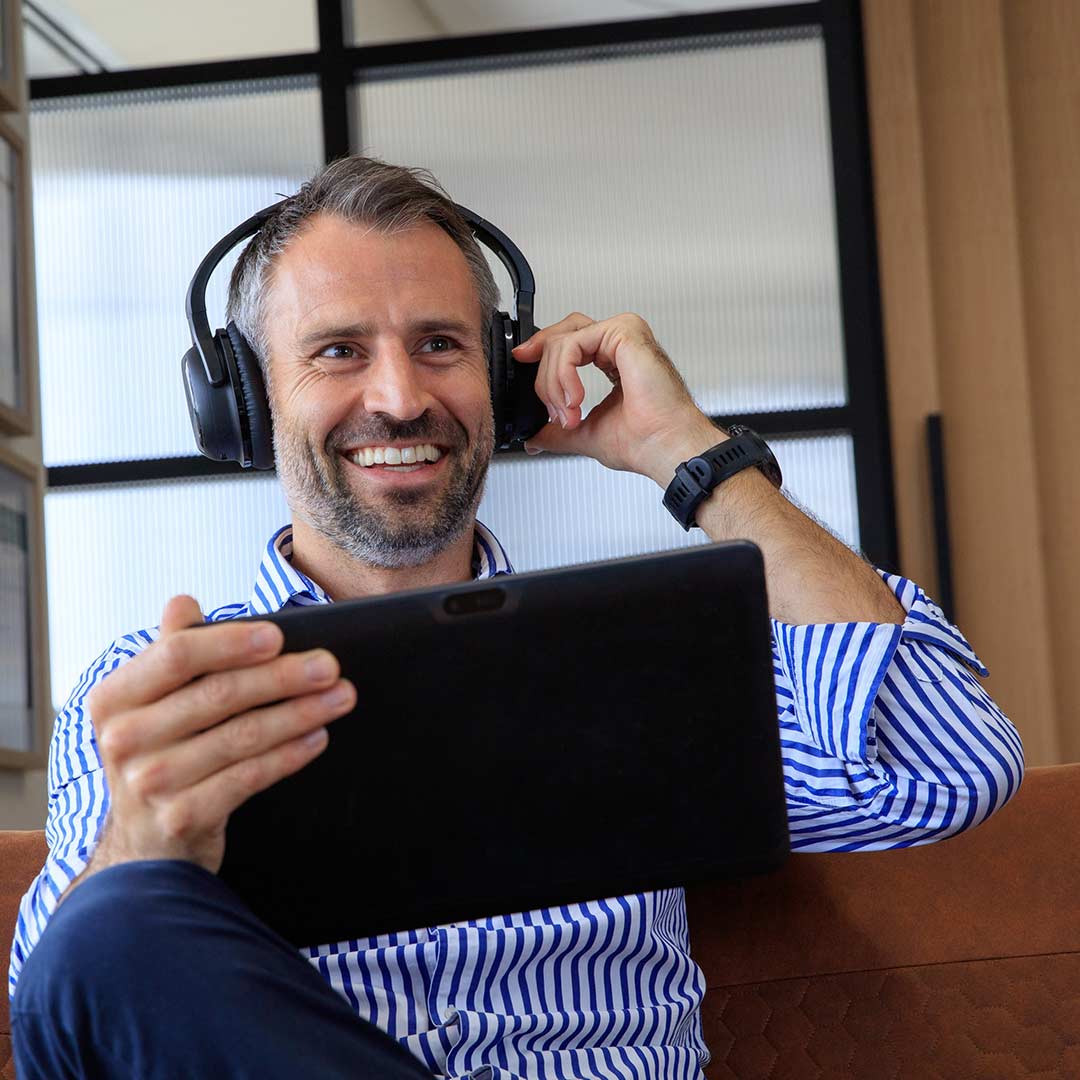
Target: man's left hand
x=647 y=424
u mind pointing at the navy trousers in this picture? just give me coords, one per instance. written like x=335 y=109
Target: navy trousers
x=156 y=970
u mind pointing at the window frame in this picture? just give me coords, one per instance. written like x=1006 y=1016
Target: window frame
x=340 y=65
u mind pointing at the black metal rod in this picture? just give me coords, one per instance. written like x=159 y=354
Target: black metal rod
x=335 y=80
x=603 y=36
x=860 y=298
x=145 y=470
x=58 y=37
x=828 y=420
x=220 y=71
x=409 y=53
x=935 y=444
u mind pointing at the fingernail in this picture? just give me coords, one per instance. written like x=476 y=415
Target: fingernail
x=567 y=401
x=315 y=738
x=319 y=668
x=336 y=696
x=534 y=450
x=265 y=637
x=562 y=417
x=551 y=414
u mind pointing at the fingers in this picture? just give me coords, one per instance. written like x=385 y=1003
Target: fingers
x=567 y=346
x=246 y=736
x=185 y=651
x=529 y=351
x=207 y=701
x=180 y=612
x=204 y=809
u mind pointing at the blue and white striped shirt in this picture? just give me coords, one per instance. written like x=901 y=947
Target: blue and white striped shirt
x=887 y=738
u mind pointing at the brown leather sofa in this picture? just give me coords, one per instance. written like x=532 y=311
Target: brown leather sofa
x=959 y=960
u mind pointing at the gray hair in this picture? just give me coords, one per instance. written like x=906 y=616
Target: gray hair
x=363 y=191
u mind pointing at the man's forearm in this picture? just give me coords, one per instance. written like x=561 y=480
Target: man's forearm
x=811 y=576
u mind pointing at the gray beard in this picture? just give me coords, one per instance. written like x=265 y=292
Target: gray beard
x=405 y=528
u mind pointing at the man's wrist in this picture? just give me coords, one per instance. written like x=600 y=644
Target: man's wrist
x=671 y=451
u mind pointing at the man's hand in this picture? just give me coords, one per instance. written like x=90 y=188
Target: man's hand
x=196 y=724
x=647 y=424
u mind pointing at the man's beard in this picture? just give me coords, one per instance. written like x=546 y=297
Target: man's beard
x=397 y=528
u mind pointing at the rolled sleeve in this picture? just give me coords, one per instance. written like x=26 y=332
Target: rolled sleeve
x=835 y=671
x=888 y=737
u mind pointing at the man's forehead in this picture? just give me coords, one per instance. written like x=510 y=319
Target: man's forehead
x=335 y=263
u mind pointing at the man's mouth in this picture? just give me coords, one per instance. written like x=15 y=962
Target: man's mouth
x=395 y=458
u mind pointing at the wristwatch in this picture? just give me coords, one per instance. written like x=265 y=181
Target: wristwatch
x=695 y=479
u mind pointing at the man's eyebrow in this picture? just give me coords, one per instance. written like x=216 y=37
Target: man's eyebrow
x=431 y=325
x=443 y=326
x=334 y=333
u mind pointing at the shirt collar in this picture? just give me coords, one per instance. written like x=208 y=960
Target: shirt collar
x=279 y=584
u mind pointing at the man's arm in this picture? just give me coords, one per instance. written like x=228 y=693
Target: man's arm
x=169 y=741
x=649 y=423
x=887 y=738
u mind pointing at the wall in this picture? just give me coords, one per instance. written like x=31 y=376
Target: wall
x=23 y=791
x=975 y=115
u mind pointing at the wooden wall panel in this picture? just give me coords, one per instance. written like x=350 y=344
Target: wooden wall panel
x=1042 y=44
x=946 y=119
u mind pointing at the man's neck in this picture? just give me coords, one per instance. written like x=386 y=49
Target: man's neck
x=344 y=578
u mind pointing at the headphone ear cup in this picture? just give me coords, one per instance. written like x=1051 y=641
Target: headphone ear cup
x=213 y=410
x=253 y=407
x=502 y=341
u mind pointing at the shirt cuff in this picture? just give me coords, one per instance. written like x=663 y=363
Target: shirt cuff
x=835 y=670
x=926 y=622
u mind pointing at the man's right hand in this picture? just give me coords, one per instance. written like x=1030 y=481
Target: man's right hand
x=196 y=724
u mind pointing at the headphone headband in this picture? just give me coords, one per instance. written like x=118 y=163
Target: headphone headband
x=202 y=337
x=195 y=305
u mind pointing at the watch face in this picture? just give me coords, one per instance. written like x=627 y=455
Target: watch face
x=768 y=465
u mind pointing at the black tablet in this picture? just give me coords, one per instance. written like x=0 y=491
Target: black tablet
x=526 y=741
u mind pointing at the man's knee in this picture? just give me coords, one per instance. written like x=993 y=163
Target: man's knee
x=110 y=934
x=100 y=957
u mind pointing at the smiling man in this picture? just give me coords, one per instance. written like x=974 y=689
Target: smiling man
x=367 y=301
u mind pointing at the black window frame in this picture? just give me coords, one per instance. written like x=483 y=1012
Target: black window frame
x=339 y=65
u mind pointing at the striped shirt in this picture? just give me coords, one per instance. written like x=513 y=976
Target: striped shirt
x=887 y=740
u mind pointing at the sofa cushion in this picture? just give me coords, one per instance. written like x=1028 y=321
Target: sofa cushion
x=22 y=855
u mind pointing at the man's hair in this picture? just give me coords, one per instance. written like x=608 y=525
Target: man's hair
x=362 y=191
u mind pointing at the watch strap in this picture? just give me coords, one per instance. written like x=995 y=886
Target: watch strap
x=696 y=478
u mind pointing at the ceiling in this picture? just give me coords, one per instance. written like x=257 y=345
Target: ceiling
x=64 y=37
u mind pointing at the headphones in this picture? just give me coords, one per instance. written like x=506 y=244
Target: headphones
x=226 y=395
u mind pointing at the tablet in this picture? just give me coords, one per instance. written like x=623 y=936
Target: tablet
x=526 y=741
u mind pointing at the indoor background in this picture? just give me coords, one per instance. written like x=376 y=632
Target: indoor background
x=841 y=228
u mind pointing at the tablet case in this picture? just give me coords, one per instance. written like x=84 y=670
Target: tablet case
x=526 y=741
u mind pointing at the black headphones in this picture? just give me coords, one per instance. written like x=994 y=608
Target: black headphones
x=226 y=395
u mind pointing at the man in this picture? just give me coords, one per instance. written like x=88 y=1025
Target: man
x=367 y=302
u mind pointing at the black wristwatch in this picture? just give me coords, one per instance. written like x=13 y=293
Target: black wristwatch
x=696 y=478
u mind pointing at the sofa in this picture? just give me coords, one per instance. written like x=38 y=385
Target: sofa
x=958 y=960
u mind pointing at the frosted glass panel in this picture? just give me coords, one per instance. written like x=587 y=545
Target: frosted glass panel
x=130 y=191
x=116 y=554
x=690 y=183
x=553 y=511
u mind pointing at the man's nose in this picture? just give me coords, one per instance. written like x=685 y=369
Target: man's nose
x=394 y=386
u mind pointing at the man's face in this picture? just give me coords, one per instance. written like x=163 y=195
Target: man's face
x=375 y=351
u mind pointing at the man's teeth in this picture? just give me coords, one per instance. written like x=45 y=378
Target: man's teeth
x=394 y=455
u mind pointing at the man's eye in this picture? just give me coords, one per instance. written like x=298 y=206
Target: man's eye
x=439 y=344
x=338 y=352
